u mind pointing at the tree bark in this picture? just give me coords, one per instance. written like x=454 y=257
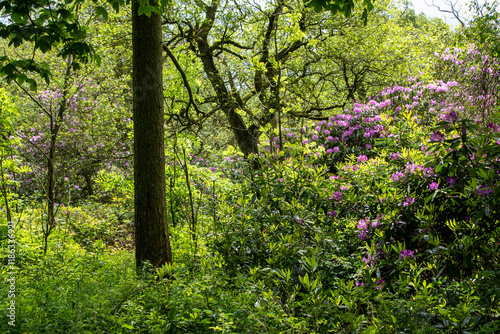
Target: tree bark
x=151 y=230
x=246 y=137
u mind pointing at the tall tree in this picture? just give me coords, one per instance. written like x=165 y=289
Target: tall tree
x=151 y=231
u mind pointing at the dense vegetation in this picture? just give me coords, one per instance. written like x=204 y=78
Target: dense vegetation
x=323 y=173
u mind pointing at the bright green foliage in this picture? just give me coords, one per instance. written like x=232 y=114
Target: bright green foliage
x=9 y=116
x=344 y=7
x=484 y=29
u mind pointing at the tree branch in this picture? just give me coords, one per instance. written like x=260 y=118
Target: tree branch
x=184 y=79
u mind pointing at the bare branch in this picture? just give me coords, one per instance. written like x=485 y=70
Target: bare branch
x=184 y=79
x=453 y=10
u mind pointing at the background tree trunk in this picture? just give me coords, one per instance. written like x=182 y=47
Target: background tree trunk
x=151 y=230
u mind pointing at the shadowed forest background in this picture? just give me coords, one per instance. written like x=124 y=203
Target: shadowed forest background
x=248 y=167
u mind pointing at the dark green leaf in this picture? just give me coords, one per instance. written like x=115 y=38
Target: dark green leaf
x=101 y=11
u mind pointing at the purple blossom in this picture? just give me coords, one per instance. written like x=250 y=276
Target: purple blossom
x=406 y=253
x=397 y=176
x=370 y=261
x=337 y=195
x=347 y=134
x=395 y=156
x=437 y=136
x=369 y=133
x=484 y=191
x=362 y=230
x=380 y=284
x=492 y=126
x=451 y=180
x=433 y=186
x=451 y=116
x=429 y=172
x=412 y=168
x=409 y=201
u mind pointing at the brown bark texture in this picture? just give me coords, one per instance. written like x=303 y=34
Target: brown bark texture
x=151 y=230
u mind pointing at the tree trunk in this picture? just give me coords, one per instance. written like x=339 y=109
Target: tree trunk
x=151 y=230
x=55 y=125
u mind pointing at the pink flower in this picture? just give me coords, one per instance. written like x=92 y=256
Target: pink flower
x=362 y=158
x=397 y=176
x=362 y=225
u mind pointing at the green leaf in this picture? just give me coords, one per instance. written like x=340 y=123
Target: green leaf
x=17 y=17
x=368 y=4
x=146 y=10
x=32 y=84
x=101 y=11
x=44 y=44
x=116 y=6
x=483 y=174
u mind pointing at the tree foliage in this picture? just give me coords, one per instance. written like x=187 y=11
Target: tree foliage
x=261 y=64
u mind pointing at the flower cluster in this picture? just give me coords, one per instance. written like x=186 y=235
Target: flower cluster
x=364 y=226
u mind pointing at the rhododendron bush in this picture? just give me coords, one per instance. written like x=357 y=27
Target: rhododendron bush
x=396 y=198
x=90 y=140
